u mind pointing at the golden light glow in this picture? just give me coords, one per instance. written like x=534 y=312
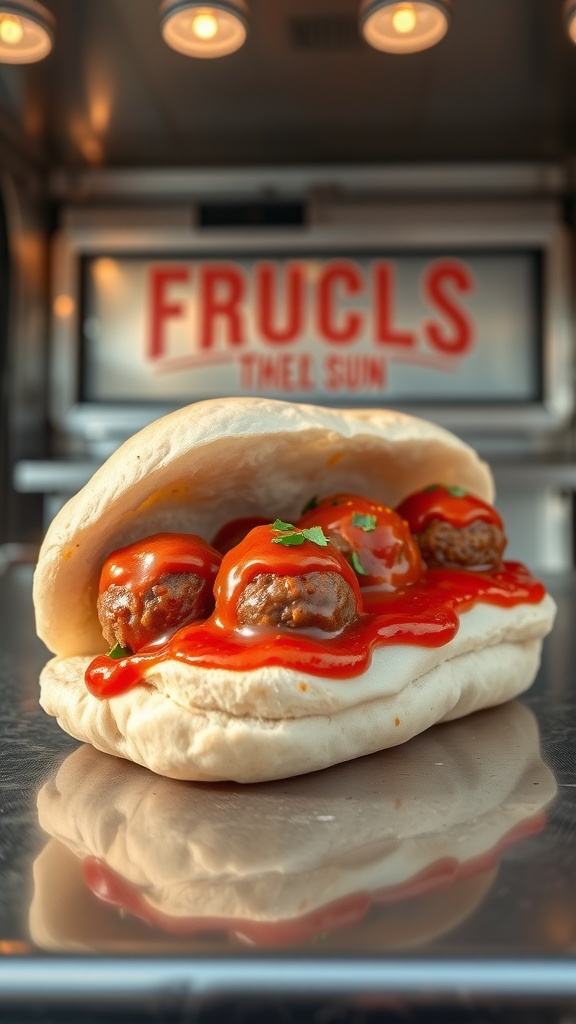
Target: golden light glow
x=100 y=107
x=572 y=27
x=92 y=150
x=13 y=947
x=205 y=25
x=404 y=27
x=203 y=30
x=11 y=30
x=89 y=145
x=404 y=19
x=63 y=306
x=26 y=32
x=106 y=270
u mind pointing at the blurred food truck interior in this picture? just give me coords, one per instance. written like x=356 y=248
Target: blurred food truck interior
x=321 y=214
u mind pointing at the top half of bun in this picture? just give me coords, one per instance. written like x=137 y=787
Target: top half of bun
x=204 y=464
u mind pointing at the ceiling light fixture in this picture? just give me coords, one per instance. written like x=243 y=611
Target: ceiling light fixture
x=204 y=30
x=570 y=18
x=26 y=31
x=400 y=26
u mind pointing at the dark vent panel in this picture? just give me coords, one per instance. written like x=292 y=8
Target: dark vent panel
x=241 y=215
x=324 y=32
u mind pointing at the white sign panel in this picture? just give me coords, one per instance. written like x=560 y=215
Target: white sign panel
x=428 y=327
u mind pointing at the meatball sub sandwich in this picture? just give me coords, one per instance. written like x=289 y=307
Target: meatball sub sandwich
x=251 y=589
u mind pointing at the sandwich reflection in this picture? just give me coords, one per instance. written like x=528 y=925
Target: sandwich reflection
x=382 y=853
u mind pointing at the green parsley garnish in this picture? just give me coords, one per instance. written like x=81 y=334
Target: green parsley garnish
x=291 y=537
x=456 y=492
x=118 y=652
x=290 y=540
x=365 y=522
x=281 y=526
x=317 y=536
x=314 y=501
x=357 y=564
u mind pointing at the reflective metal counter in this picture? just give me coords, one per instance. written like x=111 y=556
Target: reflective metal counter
x=442 y=872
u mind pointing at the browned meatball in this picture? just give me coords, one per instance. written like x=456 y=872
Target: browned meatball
x=134 y=618
x=477 y=546
x=315 y=600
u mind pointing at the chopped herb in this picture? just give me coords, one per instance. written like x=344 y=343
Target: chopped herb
x=334 y=503
x=291 y=537
x=282 y=527
x=365 y=522
x=314 y=501
x=316 y=535
x=357 y=564
x=290 y=540
x=456 y=492
x=118 y=652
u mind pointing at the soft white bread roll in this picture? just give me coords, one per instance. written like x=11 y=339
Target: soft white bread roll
x=214 y=461
x=279 y=852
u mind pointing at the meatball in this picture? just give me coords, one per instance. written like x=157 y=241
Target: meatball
x=373 y=538
x=315 y=600
x=133 y=618
x=479 y=545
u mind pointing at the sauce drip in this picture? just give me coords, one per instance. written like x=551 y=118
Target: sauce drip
x=425 y=614
x=261 y=553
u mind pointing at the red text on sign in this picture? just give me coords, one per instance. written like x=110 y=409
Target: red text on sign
x=281 y=304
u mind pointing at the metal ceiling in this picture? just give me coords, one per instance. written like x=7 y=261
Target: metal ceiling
x=304 y=89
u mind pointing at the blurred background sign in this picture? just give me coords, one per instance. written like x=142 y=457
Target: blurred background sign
x=358 y=326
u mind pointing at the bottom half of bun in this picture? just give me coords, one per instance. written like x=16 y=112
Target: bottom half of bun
x=185 y=722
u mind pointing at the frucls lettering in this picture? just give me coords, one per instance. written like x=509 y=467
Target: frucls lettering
x=442 y=278
x=276 y=323
x=340 y=276
x=222 y=298
x=161 y=309
x=295 y=304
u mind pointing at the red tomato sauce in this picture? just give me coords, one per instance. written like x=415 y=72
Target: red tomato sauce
x=230 y=535
x=136 y=565
x=451 y=504
x=386 y=553
x=424 y=613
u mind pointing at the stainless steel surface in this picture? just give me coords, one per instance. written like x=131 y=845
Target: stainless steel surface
x=472 y=792
x=533 y=180
x=24 y=387
x=57 y=476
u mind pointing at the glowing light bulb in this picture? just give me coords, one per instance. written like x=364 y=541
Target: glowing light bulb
x=404 y=19
x=205 y=26
x=11 y=30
